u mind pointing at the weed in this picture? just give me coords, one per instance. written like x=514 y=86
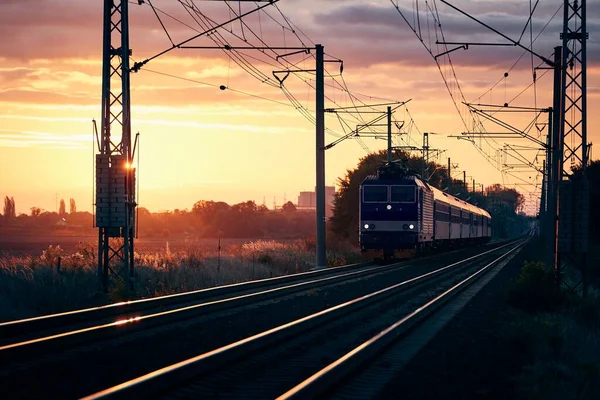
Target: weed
x=535 y=289
x=31 y=285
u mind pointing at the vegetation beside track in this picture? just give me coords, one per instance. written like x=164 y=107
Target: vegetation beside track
x=37 y=285
x=556 y=332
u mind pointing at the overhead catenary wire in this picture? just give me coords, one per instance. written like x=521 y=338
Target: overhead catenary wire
x=241 y=58
x=450 y=88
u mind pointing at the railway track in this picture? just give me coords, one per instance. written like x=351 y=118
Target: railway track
x=126 y=340
x=320 y=349
x=31 y=328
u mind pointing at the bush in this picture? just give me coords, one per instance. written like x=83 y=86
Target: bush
x=534 y=289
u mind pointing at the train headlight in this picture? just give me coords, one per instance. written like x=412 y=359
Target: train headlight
x=389 y=207
x=411 y=226
x=405 y=226
x=366 y=226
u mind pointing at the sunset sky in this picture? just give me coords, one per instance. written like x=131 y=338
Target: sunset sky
x=249 y=142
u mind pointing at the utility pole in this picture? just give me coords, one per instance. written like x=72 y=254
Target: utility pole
x=320 y=132
x=389 y=134
x=465 y=182
x=549 y=234
x=474 y=191
x=115 y=175
x=425 y=154
x=556 y=165
x=542 y=209
x=449 y=177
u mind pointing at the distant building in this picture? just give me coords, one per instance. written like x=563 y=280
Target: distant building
x=308 y=200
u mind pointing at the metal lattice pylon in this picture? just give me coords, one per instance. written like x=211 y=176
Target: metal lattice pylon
x=573 y=199
x=574 y=37
x=115 y=175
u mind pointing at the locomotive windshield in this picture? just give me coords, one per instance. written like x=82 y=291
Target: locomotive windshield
x=403 y=194
x=375 y=194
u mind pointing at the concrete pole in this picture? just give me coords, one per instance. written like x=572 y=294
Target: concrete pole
x=320 y=131
x=465 y=182
x=542 y=209
x=556 y=166
x=389 y=138
x=425 y=154
x=549 y=215
x=449 y=177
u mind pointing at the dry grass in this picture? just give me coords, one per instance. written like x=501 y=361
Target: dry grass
x=32 y=286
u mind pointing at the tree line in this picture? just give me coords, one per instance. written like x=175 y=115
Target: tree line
x=206 y=219
x=248 y=220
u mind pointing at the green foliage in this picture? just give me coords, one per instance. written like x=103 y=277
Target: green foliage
x=535 y=289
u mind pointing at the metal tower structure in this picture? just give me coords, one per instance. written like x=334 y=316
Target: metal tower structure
x=115 y=175
x=574 y=103
x=572 y=149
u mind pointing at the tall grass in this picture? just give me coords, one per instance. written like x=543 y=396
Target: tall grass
x=32 y=286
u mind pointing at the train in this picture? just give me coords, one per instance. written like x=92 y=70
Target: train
x=402 y=216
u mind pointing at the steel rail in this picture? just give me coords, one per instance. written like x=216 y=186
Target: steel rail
x=110 y=329
x=122 y=309
x=333 y=374
x=80 y=321
x=149 y=384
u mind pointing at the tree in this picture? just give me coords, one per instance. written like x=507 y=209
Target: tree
x=9 y=208
x=35 y=211
x=513 y=199
x=288 y=207
x=72 y=206
x=62 y=208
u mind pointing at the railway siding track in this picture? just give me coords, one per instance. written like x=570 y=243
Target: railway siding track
x=290 y=338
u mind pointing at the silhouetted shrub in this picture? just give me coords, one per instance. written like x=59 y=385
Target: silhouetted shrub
x=534 y=289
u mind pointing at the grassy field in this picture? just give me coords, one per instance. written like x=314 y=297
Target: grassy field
x=23 y=244
x=31 y=283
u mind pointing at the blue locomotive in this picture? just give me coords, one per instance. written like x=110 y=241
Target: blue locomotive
x=401 y=215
